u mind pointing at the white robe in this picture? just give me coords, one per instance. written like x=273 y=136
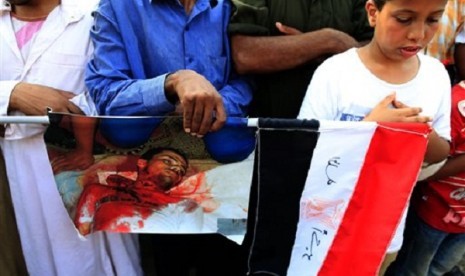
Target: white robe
x=49 y=239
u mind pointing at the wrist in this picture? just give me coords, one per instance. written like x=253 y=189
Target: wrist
x=170 y=91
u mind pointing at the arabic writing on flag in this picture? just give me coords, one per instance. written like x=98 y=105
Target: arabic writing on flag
x=325 y=197
x=327 y=202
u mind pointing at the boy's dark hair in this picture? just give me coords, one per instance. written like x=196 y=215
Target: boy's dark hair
x=380 y=4
x=151 y=152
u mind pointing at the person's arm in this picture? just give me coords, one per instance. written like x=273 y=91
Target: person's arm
x=437 y=149
x=439 y=139
x=262 y=54
x=383 y=112
x=201 y=104
x=453 y=166
x=231 y=100
x=34 y=99
x=117 y=90
x=237 y=91
x=237 y=95
x=459 y=56
x=254 y=51
x=82 y=156
x=109 y=75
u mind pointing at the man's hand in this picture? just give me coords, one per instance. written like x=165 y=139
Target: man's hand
x=286 y=29
x=202 y=106
x=34 y=99
x=391 y=110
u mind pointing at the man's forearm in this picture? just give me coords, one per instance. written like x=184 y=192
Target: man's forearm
x=275 y=53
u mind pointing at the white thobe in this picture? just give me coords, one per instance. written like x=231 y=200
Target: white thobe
x=49 y=239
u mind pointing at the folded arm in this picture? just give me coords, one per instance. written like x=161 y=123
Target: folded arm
x=262 y=54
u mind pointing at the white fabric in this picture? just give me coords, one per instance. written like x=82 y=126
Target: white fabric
x=460 y=38
x=19 y=26
x=326 y=204
x=50 y=242
x=342 y=88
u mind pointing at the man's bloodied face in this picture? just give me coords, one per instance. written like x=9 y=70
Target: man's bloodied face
x=166 y=169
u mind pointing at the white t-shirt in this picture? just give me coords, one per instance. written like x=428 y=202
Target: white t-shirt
x=343 y=89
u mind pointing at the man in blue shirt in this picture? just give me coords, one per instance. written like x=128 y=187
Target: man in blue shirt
x=154 y=55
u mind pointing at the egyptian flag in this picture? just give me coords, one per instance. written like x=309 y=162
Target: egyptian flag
x=326 y=197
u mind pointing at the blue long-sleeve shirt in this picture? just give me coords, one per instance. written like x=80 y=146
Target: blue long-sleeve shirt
x=137 y=42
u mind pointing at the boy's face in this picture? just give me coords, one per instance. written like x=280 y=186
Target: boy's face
x=404 y=27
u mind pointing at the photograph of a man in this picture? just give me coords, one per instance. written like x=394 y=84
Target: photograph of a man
x=159 y=170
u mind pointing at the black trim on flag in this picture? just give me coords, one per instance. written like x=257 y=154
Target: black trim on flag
x=281 y=166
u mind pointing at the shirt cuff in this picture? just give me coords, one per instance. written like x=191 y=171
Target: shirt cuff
x=154 y=98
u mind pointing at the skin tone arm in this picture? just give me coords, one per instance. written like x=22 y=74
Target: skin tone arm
x=82 y=156
x=201 y=105
x=34 y=99
x=459 y=56
x=453 y=166
x=265 y=54
x=437 y=149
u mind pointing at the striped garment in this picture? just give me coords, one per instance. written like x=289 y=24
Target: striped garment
x=442 y=44
x=25 y=32
x=327 y=202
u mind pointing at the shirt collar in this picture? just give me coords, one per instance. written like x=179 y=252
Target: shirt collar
x=213 y=3
x=73 y=10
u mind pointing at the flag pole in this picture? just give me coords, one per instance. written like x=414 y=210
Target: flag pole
x=53 y=117
x=24 y=120
x=250 y=122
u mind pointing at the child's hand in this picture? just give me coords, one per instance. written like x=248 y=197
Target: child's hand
x=72 y=161
x=383 y=112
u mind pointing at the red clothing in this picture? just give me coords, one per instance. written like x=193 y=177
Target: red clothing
x=441 y=204
x=103 y=206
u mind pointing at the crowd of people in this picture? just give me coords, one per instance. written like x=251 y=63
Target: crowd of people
x=357 y=60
